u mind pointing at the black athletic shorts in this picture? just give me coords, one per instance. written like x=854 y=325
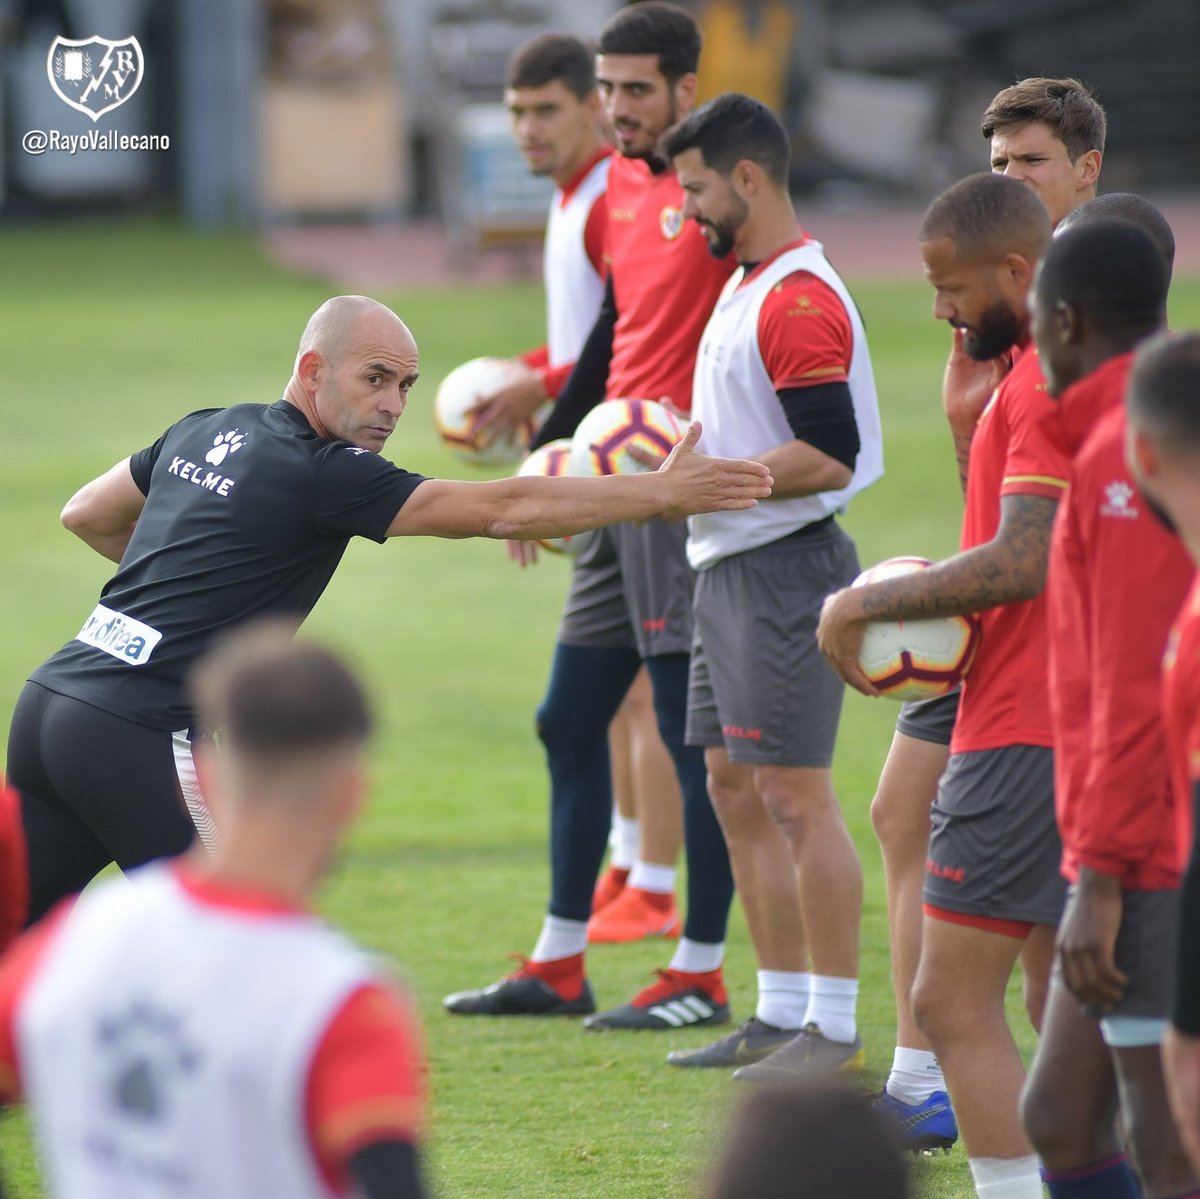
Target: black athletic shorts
x=95 y=788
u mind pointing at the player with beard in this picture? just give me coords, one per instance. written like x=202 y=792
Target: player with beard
x=556 y=117
x=992 y=889
x=783 y=373
x=1048 y=134
x=661 y=287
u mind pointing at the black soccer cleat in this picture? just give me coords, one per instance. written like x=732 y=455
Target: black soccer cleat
x=519 y=994
x=678 y=1000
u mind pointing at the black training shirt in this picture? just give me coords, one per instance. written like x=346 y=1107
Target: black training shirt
x=248 y=513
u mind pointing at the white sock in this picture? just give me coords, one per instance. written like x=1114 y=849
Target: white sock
x=560 y=939
x=1007 y=1177
x=698 y=957
x=783 y=997
x=915 y=1075
x=623 y=840
x=831 y=1005
x=648 y=876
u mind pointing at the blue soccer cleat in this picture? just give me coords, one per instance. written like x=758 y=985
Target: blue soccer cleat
x=925 y=1127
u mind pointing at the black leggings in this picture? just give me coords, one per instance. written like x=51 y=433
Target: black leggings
x=94 y=789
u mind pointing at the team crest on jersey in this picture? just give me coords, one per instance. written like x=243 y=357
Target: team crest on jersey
x=670 y=221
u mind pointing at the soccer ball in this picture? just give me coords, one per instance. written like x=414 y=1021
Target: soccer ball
x=916 y=659
x=458 y=394
x=602 y=440
x=554 y=459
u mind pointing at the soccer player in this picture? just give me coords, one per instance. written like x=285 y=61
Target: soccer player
x=1048 y=134
x=783 y=374
x=196 y=1031
x=816 y=1140
x=1163 y=452
x=992 y=889
x=554 y=106
x=661 y=287
x=1102 y=289
x=238 y=512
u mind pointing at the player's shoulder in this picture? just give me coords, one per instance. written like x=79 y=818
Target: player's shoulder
x=802 y=295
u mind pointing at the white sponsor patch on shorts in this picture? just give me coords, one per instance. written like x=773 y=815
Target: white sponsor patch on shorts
x=124 y=638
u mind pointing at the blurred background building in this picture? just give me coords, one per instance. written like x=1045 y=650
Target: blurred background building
x=284 y=111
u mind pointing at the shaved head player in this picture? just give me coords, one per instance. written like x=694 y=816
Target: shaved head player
x=245 y=511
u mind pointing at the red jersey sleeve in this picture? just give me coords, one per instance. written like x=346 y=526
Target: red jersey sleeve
x=804 y=333
x=367 y=1080
x=17 y=968
x=1035 y=464
x=554 y=378
x=595 y=236
x=536 y=358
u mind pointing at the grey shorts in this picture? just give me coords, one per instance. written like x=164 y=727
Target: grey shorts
x=929 y=719
x=631 y=588
x=1145 y=952
x=759 y=686
x=994 y=849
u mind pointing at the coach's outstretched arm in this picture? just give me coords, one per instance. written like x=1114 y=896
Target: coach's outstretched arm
x=104 y=511
x=534 y=507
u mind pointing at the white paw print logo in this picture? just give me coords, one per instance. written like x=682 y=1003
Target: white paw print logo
x=224 y=444
x=1119 y=494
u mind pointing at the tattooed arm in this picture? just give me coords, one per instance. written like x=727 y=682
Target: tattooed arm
x=1009 y=568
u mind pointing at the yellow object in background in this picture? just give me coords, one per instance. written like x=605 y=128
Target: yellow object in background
x=747 y=48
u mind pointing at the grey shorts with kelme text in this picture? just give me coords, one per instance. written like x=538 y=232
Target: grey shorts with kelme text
x=759 y=686
x=631 y=588
x=994 y=849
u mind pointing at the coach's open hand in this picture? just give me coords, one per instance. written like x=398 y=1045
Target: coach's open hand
x=840 y=636
x=703 y=484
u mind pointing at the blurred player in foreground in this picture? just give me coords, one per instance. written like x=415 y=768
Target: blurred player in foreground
x=992 y=888
x=556 y=115
x=1049 y=135
x=1163 y=452
x=197 y=1031
x=247 y=511
x=819 y=1140
x=661 y=287
x=783 y=374
x=1102 y=289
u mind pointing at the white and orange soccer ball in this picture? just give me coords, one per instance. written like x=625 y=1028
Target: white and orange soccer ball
x=604 y=437
x=916 y=659
x=554 y=459
x=458 y=393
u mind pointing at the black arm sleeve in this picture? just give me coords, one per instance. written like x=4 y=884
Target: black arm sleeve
x=823 y=415
x=388 y=1170
x=585 y=388
x=1186 y=1014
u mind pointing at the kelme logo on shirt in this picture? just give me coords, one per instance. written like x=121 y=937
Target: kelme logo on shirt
x=128 y=640
x=224 y=444
x=670 y=221
x=1118 y=501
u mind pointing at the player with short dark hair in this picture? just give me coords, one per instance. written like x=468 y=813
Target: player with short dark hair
x=818 y=1141
x=197 y=1024
x=240 y=512
x=992 y=889
x=784 y=373
x=1126 y=206
x=1100 y=291
x=550 y=57
x=661 y=287
x=1163 y=454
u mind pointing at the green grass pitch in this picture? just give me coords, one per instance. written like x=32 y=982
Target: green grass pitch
x=111 y=333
